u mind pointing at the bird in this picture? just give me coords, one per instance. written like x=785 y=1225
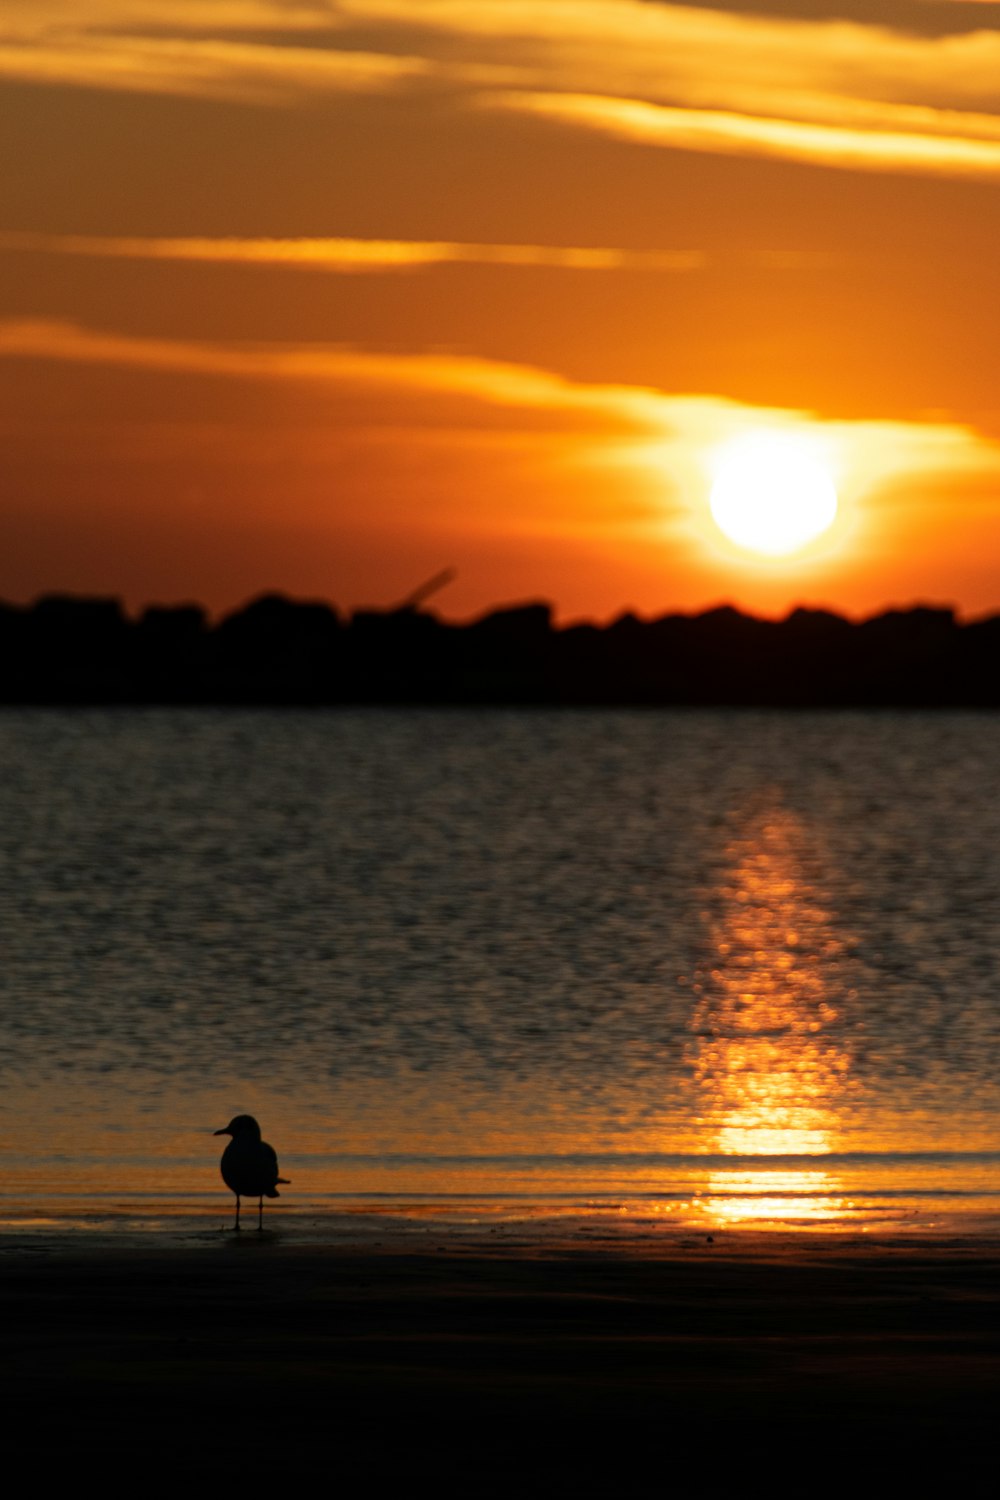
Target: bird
x=249 y=1165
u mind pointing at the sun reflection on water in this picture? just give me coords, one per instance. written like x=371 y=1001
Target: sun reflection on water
x=770 y=1061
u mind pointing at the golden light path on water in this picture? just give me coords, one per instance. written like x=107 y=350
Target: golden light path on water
x=772 y=1076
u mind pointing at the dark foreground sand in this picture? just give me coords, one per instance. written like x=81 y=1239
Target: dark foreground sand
x=794 y=1366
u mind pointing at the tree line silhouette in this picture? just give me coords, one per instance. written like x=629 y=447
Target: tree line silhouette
x=66 y=649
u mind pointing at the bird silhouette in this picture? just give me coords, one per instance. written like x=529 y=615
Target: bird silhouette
x=249 y=1165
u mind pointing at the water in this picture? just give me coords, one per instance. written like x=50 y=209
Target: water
x=680 y=968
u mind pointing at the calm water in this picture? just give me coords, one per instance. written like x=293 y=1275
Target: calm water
x=685 y=967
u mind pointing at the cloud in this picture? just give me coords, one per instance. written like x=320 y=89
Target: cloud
x=248 y=72
x=683 y=53
x=691 y=76
x=747 y=135
x=802 y=89
x=493 y=381
x=659 y=53
x=625 y=426
x=925 y=17
x=351 y=255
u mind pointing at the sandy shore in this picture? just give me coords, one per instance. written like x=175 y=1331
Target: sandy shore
x=792 y=1363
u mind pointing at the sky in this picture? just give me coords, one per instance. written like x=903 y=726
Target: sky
x=325 y=296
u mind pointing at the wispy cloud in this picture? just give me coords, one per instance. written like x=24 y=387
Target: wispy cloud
x=345 y=256
x=671 y=53
x=493 y=381
x=706 y=78
x=748 y=135
x=48 y=15
x=713 y=80
x=623 y=425
x=201 y=67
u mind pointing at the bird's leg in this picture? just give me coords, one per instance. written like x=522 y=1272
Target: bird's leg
x=260 y=1213
x=237 y=1224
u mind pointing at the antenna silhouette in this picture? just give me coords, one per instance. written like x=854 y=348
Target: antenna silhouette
x=425 y=590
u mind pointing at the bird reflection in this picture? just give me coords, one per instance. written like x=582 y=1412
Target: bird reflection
x=770 y=1061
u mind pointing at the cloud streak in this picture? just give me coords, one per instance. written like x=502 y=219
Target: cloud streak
x=245 y=72
x=829 y=92
x=681 y=76
x=684 y=54
x=652 y=428
x=747 y=135
x=347 y=256
x=493 y=381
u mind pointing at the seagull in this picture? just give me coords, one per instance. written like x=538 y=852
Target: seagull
x=249 y=1165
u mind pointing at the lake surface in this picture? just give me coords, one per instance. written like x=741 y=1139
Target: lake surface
x=679 y=967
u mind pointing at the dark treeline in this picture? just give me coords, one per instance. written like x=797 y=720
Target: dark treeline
x=65 y=649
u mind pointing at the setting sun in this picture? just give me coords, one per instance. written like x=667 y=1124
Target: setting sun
x=771 y=494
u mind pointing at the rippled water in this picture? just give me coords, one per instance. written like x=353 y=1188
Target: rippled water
x=730 y=964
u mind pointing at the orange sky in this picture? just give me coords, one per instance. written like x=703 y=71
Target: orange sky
x=325 y=296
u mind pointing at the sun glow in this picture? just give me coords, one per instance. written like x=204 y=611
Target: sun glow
x=771 y=493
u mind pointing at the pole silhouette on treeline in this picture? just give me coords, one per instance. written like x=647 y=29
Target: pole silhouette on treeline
x=66 y=649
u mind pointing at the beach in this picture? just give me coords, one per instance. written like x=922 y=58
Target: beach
x=636 y=1077
x=791 y=1360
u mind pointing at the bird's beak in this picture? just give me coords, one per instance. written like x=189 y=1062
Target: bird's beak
x=221 y=1132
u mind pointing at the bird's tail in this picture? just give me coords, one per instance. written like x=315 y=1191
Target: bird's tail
x=286 y=1180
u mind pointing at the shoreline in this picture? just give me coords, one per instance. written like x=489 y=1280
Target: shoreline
x=510 y=1363
x=470 y=1223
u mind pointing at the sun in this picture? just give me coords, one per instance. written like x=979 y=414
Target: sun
x=771 y=493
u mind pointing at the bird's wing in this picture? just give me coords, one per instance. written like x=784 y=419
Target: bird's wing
x=268 y=1162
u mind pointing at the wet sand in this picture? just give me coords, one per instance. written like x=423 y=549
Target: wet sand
x=792 y=1362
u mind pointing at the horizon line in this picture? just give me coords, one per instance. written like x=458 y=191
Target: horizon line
x=411 y=604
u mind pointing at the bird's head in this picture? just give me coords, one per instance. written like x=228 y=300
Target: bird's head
x=241 y=1125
